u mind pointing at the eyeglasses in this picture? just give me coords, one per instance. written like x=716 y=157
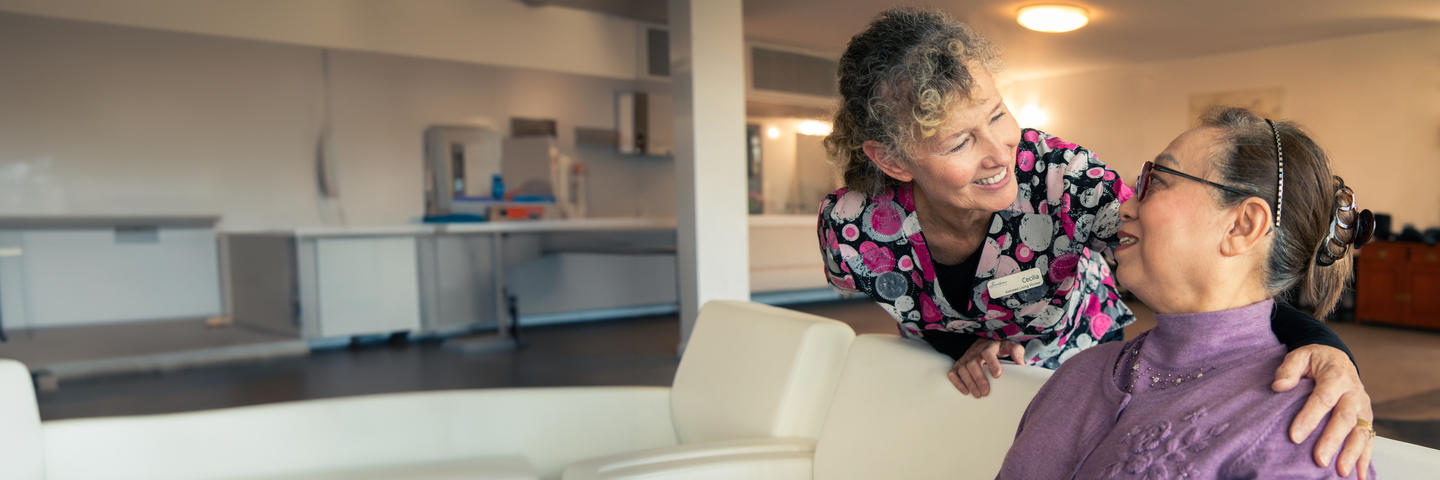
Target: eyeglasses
x=1142 y=186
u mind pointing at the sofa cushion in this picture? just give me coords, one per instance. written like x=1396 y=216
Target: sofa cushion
x=1397 y=459
x=895 y=415
x=752 y=370
x=548 y=427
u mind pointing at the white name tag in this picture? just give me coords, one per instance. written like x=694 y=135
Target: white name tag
x=1018 y=282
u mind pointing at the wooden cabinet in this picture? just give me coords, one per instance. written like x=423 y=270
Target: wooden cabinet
x=1399 y=283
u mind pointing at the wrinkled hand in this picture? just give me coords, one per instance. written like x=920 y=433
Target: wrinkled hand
x=1338 y=391
x=968 y=373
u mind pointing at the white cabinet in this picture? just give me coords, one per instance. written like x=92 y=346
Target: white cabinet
x=785 y=254
x=57 y=274
x=324 y=287
x=364 y=286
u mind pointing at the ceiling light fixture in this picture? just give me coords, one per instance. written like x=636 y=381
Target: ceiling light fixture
x=1032 y=116
x=814 y=127
x=1052 y=18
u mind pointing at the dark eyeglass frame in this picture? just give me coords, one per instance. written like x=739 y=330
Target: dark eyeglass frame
x=1142 y=184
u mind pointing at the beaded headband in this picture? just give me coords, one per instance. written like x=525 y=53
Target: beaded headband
x=1280 y=177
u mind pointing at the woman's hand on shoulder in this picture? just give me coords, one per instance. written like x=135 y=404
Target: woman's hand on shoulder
x=968 y=373
x=1338 y=392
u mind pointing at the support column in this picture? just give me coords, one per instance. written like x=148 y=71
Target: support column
x=707 y=66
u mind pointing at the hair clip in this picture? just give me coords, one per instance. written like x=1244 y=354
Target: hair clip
x=1348 y=227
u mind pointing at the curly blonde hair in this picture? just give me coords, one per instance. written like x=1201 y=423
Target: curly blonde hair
x=898 y=80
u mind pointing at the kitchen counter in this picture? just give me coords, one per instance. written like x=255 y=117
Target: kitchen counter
x=459 y=276
x=65 y=222
x=524 y=226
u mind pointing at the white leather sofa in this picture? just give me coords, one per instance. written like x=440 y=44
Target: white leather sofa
x=752 y=399
x=750 y=371
x=895 y=415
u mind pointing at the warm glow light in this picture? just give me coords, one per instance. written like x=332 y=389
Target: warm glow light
x=772 y=132
x=1031 y=116
x=1053 y=18
x=813 y=127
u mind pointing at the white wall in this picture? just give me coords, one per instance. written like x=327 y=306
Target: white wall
x=1372 y=101
x=492 y=32
x=794 y=167
x=777 y=163
x=100 y=119
x=108 y=120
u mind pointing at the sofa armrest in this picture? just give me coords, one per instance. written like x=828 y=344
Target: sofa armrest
x=19 y=424
x=548 y=427
x=668 y=458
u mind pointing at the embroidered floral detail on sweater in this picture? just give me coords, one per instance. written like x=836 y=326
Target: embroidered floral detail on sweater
x=1163 y=450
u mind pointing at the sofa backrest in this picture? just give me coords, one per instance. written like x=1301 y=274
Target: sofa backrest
x=752 y=370
x=1397 y=459
x=895 y=415
x=548 y=428
x=20 y=436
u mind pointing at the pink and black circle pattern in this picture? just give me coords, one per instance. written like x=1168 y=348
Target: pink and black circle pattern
x=1063 y=223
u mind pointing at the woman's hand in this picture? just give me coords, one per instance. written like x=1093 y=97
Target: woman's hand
x=1338 y=391
x=968 y=372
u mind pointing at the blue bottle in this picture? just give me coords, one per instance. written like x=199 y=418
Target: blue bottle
x=497 y=187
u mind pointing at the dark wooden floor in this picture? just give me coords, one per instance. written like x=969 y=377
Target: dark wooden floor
x=638 y=351
x=625 y=352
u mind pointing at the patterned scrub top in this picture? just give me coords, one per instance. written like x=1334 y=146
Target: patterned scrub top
x=1062 y=225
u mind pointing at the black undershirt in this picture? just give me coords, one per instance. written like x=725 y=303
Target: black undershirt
x=955 y=282
x=1292 y=327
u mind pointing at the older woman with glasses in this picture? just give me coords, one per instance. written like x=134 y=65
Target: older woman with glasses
x=985 y=240
x=1232 y=225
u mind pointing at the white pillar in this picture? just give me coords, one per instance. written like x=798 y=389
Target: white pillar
x=707 y=67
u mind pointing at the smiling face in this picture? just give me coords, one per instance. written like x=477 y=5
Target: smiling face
x=1170 y=243
x=970 y=163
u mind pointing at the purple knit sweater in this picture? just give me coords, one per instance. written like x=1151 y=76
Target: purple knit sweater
x=1197 y=404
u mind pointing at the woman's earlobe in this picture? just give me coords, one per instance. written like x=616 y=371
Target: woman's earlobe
x=890 y=164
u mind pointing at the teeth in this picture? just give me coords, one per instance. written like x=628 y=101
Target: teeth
x=1128 y=240
x=992 y=180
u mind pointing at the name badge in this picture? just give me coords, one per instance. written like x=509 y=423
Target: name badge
x=1018 y=282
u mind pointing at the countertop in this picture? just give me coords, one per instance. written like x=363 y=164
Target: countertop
x=49 y=222
x=518 y=226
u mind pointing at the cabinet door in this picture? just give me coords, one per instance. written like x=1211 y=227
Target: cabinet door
x=1425 y=303
x=1425 y=286
x=1378 y=295
x=367 y=285
x=1383 y=254
x=104 y=275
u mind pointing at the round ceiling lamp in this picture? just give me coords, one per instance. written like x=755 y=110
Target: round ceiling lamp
x=1053 y=18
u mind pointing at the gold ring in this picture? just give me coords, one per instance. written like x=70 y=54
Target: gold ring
x=1365 y=425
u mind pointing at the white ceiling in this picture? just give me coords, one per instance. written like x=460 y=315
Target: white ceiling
x=1121 y=32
